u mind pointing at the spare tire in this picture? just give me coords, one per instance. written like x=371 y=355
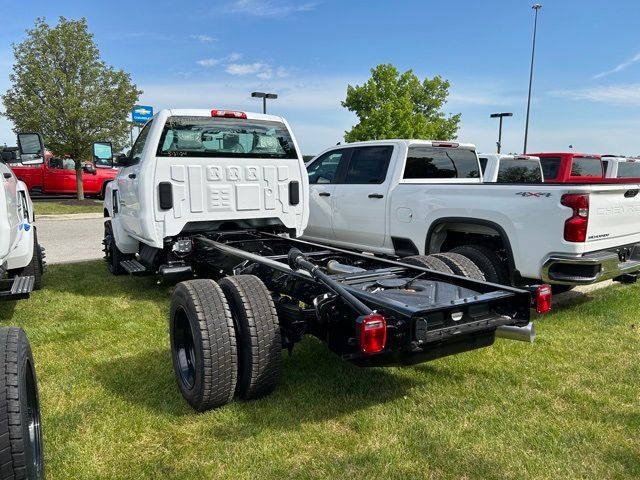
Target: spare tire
x=20 y=430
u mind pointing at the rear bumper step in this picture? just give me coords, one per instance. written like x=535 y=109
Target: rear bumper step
x=589 y=268
x=16 y=288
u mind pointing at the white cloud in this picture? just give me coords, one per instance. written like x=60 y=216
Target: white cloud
x=208 y=62
x=628 y=94
x=282 y=72
x=620 y=67
x=233 y=57
x=204 y=38
x=265 y=8
x=246 y=68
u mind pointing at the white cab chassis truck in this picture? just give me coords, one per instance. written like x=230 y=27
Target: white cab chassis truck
x=217 y=198
x=415 y=197
x=21 y=257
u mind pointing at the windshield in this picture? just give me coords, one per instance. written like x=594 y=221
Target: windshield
x=225 y=137
x=628 y=169
x=438 y=162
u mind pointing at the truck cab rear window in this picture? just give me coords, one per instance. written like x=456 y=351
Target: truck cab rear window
x=628 y=169
x=550 y=167
x=519 y=171
x=586 y=167
x=434 y=162
x=184 y=136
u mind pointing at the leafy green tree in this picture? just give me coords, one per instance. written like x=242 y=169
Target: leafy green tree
x=394 y=105
x=62 y=89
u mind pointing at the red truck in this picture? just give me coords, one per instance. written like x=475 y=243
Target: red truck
x=57 y=175
x=570 y=167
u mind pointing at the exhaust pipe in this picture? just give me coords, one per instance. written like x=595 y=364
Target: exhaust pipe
x=522 y=334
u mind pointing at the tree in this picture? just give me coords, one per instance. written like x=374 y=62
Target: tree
x=391 y=105
x=62 y=89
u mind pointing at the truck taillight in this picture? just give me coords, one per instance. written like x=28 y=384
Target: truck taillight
x=543 y=298
x=372 y=333
x=575 y=228
x=228 y=114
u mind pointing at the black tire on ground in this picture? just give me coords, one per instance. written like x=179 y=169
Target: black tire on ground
x=491 y=265
x=112 y=254
x=258 y=333
x=460 y=265
x=203 y=344
x=20 y=431
x=36 y=266
x=428 y=261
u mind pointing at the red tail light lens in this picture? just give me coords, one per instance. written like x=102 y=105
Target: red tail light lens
x=543 y=298
x=372 y=333
x=575 y=228
x=228 y=114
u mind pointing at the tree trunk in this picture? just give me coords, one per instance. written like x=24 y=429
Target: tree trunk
x=79 y=186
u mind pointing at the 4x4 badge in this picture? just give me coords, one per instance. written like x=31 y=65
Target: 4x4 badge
x=534 y=194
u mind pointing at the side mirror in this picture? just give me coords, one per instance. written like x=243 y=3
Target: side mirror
x=89 y=168
x=31 y=148
x=103 y=155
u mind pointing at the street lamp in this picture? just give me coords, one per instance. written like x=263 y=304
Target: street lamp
x=264 y=96
x=500 y=116
x=536 y=7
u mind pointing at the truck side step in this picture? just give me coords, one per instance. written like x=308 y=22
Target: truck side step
x=16 y=288
x=134 y=267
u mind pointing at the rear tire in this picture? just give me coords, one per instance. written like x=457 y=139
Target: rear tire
x=487 y=261
x=428 y=261
x=112 y=254
x=258 y=333
x=460 y=265
x=20 y=430
x=203 y=344
x=36 y=265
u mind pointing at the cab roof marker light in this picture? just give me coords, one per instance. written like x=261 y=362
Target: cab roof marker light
x=228 y=114
x=445 y=144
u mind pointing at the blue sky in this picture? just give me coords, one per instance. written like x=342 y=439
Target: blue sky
x=213 y=53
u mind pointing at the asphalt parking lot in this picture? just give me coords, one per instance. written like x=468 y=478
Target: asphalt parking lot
x=71 y=238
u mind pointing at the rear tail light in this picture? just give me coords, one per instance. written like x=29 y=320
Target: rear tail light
x=228 y=114
x=575 y=228
x=543 y=298
x=372 y=333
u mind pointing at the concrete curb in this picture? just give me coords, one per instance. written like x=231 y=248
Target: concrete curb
x=68 y=216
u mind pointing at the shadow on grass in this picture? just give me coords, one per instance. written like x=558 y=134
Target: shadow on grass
x=94 y=280
x=6 y=311
x=316 y=386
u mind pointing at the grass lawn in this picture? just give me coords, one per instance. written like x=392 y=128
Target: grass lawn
x=566 y=407
x=67 y=206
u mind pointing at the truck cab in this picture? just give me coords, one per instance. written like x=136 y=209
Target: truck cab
x=205 y=170
x=498 y=168
x=616 y=166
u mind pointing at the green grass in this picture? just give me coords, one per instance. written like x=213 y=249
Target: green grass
x=565 y=407
x=67 y=206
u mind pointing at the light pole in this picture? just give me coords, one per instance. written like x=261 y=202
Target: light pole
x=264 y=96
x=500 y=116
x=536 y=7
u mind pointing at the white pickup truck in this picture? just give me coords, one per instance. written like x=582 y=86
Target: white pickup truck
x=621 y=167
x=411 y=197
x=21 y=257
x=501 y=168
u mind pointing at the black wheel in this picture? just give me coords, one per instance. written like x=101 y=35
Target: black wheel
x=203 y=344
x=112 y=254
x=460 y=265
x=491 y=265
x=258 y=333
x=20 y=430
x=36 y=266
x=428 y=261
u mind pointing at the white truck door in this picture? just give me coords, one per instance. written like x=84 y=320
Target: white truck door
x=11 y=199
x=128 y=185
x=323 y=172
x=360 y=203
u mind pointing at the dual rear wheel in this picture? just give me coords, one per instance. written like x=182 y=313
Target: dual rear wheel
x=225 y=340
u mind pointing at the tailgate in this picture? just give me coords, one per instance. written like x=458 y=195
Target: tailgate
x=614 y=216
